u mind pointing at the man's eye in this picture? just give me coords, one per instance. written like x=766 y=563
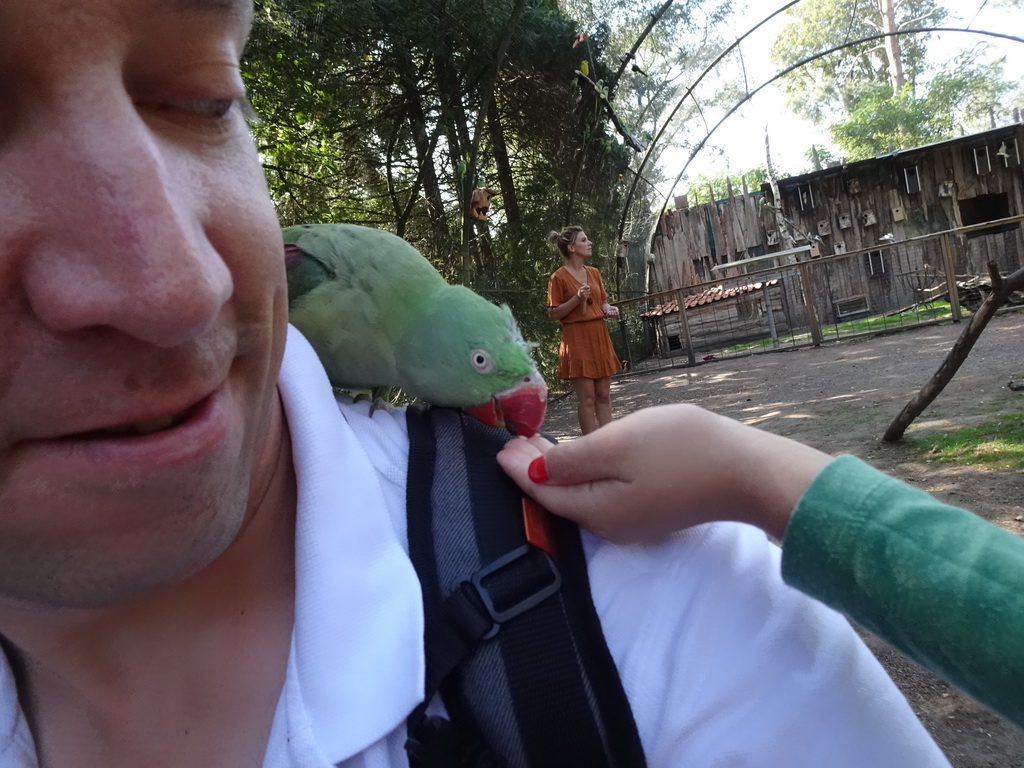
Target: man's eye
x=215 y=108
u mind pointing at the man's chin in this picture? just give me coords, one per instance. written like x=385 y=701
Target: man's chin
x=84 y=545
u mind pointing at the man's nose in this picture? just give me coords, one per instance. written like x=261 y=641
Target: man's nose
x=120 y=241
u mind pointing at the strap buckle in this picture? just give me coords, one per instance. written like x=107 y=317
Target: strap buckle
x=523 y=603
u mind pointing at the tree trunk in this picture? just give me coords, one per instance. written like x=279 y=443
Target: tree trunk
x=452 y=108
x=1001 y=289
x=785 y=238
x=425 y=145
x=509 y=197
x=892 y=45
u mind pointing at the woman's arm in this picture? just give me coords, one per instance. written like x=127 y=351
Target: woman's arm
x=563 y=298
x=937 y=582
x=574 y=302
x=663 y=469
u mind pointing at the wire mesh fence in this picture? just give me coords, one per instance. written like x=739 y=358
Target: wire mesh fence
x=792 y=299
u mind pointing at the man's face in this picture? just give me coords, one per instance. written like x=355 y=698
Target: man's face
x=142 y=299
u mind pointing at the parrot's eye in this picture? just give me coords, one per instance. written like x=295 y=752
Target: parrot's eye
x=481 y=361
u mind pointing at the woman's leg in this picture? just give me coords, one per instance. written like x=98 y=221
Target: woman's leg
x=603 y=400
x=584 y=389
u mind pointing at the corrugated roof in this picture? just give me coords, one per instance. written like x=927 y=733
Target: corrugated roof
x=711 y=295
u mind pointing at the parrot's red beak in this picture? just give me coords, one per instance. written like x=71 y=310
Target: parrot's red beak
x=521 y=408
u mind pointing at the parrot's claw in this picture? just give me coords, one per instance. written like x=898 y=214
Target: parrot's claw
x=380 y=404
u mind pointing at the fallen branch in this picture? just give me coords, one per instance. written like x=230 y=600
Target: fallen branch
x=1001 y=289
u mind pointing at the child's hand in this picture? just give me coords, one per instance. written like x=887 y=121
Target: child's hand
x=664 y=469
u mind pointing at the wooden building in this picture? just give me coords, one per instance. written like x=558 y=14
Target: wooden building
x=689 y=241
x=865 y=206
x=719 y=316
x=871 y=209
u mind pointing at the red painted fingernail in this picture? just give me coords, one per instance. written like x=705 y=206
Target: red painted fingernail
x=538 y=470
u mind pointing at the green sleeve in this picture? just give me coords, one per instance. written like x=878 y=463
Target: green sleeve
x=939 y=583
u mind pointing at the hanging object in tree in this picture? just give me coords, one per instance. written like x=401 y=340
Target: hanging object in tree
x=480 y=203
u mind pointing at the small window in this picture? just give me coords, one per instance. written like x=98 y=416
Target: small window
x=874 y=263
x=855 y=305
x=982 y=163
x=912 y=179
x=806 y=196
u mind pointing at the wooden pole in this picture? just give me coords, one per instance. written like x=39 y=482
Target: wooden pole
x=812 y=315
x=1001 y=289
x=684 y=325
x=950 y=267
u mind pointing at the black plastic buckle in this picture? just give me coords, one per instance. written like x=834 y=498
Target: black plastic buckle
x=527 y=602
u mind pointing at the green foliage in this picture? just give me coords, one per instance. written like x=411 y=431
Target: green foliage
x=390 y=113
x=826 y=88
x=880 y=121
x=998 y=444
x=850 y=91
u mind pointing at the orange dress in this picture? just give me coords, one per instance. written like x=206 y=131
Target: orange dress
x=586 y=350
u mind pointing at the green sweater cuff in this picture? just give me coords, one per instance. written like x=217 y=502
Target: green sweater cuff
x=937 y=582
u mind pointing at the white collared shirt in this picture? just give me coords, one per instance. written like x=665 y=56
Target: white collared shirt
x=724 y=665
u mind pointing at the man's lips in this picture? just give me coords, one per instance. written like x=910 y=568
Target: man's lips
x=137 y=428
x=124 y=419
x=138 y=444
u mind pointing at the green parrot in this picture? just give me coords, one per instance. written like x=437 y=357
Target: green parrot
x=378 y=314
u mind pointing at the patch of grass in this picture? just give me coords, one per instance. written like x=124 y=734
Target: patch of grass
x=903 y=319
x=907 y=317
x=1004 y=403
x=999 y=444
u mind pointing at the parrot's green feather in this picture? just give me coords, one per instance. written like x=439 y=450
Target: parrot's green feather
x=378 y=314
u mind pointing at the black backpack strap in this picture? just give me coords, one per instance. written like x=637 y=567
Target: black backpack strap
x=513 y=642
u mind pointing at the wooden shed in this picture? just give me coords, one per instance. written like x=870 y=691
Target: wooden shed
x=719 y=316
x=905 y=194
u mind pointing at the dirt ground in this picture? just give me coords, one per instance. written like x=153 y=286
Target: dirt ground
x=840 y=397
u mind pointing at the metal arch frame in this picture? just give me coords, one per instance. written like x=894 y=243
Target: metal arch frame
x=668 y=121
x=750 y=94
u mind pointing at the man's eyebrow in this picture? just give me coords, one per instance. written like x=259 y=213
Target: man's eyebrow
x=239 y=10
x=242 y=8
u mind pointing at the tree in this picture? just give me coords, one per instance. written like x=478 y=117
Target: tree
x=391 y=113
x=882 y=95
x=828 y=88
x=707 y=189
x=880 y=120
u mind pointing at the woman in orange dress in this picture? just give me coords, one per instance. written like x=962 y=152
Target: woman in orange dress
x=577 y=299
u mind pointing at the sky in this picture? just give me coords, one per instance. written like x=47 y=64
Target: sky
x=739 y=143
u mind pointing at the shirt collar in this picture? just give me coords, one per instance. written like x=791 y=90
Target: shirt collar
x=358 y=638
